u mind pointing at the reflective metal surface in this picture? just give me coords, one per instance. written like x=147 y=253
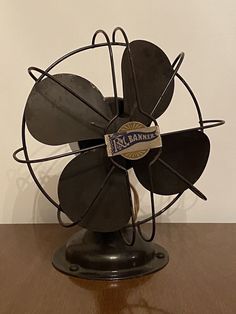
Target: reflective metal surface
x=105 y=256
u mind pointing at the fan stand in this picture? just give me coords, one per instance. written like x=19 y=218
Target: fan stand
x=105 y=256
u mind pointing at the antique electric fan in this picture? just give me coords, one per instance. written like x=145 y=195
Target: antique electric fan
x=114 y=135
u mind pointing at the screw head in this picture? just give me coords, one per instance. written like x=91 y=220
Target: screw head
x=160 y=255
x=73 y=267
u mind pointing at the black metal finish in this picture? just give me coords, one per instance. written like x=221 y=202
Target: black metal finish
x=94 y=191
x=153 y=72
x=56 y=116
x=121 y=118
x=142 y=114
x=105 y=256
x=187 y=153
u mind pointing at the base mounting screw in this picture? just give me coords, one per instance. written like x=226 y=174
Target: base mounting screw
x=73 y=267
x=160 y=255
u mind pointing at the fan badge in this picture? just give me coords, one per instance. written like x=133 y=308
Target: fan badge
x=133 y=140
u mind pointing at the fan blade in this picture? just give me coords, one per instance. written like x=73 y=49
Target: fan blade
x=186 y=152
x=80 y=183
x=183 y=179
x=55 y=116
x=153 y=72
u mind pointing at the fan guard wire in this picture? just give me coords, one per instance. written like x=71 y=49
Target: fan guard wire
x=203 y=124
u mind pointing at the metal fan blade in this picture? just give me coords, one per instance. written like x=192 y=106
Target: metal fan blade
x=55 y=116
x=96 y=193
x=186 y=152
x=153 y=72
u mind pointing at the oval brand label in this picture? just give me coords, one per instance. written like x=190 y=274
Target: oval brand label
x=133 y=140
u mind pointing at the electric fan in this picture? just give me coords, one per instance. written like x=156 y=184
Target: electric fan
x=114 y=135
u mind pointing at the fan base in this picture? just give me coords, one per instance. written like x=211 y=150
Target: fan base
x=105 y=256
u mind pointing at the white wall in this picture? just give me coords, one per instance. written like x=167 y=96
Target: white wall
x=37 y=32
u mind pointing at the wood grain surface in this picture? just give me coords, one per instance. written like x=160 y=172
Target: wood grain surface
x=200 y=277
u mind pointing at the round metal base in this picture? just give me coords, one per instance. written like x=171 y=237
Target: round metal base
x=105 y=256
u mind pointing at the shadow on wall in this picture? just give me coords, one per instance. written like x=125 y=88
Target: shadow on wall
x=41 y=210
x=24 y=202
x=180 y=209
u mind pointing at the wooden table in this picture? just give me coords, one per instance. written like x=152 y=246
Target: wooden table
x=200 y=277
